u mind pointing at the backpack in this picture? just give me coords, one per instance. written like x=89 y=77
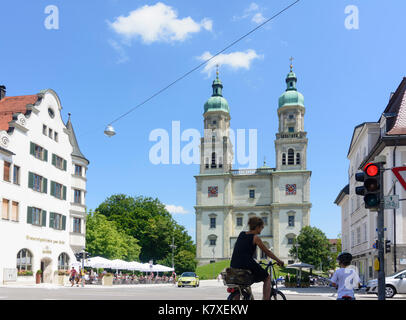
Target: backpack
x=237 y=276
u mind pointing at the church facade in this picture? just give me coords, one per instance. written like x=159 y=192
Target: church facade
x=227 y=198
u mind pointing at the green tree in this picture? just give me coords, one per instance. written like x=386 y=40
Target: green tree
x=184 y=261
x=103 y=238
x=147 y=220
x=313 y=247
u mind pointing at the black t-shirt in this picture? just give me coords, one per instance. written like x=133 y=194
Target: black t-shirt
x=244 y=250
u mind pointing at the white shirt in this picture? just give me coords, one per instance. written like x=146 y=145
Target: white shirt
x=347 y=280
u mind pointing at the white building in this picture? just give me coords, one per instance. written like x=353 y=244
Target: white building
x=226 y=198
x=385 y=137
x=42 y=187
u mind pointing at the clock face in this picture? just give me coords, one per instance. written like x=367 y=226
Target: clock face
x=290 y=189
x=213 y=191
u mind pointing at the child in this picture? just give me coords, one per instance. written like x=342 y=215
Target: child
x=345 y=278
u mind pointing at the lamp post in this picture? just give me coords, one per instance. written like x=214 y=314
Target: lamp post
x=297 y=260
x=214 y=275
x=173 y=248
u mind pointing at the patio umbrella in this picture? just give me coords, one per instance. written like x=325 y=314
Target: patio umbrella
x=98 y=262
x=300 y=265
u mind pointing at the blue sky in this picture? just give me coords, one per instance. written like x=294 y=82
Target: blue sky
x=102 y=65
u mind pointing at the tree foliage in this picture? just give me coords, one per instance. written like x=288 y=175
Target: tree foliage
x=103 y=238
x=313 y=248
x=147 y=220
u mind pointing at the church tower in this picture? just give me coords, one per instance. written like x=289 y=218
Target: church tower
x=291 y=141
x=216 y=154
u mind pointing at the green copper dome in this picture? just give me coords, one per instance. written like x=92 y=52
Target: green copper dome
x=217 y=102
x=291 y=97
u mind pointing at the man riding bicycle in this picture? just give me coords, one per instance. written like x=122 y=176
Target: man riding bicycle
x=243 y=255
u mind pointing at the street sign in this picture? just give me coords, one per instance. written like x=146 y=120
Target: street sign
x=401 y=177
x=391 y=202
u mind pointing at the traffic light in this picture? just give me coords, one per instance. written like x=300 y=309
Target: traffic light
x=387 y=246
x=371 y=188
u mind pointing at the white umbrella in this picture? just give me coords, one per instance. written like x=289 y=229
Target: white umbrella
x=134 y=265
x=120 y=264
x=98 y=262
x=160 y=268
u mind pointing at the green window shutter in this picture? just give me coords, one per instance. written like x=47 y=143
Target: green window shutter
x=52 y=188
x=51 y=219
x=64 y=193
x=32 y=148
x=54 y=159
x=45 y=155
x=29 y=215
x=64 y=165
x=44 y=185
x=63 y=222
x=44 y=218
x=30 y=180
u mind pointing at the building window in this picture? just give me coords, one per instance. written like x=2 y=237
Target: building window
x=265 y=220
x=252 y=194
x=291 y=157
x=16 y=175
x=290 y=241
x=50 y=133
x=239 y=221
x=78 y=170
x=37 y=183
x=58 y=162
x=284 y=159
x=291 y=221
x=297 y=158
x=207 y=163
x=291 y=117
x=77 y=225
x=58 y=190
x=212 y=223
x=6 y=171
x=212 y=242
x=57 y=221
x=4 y=211
x=291 y=129
x=77 y=196
x=63 y=261
x=37 y=217
x=38 y=152
x=358 y=235
x=220 y=162
x=44 y=130
x=24 y=260
x=213 y=160
x=56 y=136
x=14 y=211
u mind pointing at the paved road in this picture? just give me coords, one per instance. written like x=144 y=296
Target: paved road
x=208 y=290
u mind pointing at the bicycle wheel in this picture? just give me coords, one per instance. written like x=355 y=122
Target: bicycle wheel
x=247 y=295
x=277 y=295
x=233 y=295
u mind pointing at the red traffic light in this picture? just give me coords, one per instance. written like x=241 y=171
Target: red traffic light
x=371 y=169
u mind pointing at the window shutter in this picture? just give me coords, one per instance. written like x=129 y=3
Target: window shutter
x=52 y=188
x=30 y=180
x=32 y=148
x=29 y=215
x=44 y=185
x=51 y=219
x=64 y=193
x=44 y=218
x=63 y=222
x=54 y=159
x=64 y=165
x=45 y=155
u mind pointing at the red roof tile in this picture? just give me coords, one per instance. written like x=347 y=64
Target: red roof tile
x=12 y=105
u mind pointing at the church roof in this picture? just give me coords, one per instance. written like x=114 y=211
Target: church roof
x=291 y=97
x=217 y=102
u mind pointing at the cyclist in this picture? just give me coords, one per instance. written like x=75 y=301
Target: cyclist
x=243 y=255
x=345 y=279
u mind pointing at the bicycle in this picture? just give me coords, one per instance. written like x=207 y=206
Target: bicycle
x=244 y=290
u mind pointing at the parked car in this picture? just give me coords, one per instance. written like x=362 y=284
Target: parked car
x=188 y=279
x=394 y=284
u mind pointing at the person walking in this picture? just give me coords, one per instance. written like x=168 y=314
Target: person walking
x=72 y=276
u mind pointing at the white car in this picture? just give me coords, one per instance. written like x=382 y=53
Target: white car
x=394 y=284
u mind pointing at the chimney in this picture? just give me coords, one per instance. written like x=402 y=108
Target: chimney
x=2 y=92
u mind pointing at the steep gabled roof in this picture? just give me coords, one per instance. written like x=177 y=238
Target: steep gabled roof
x=398 y=106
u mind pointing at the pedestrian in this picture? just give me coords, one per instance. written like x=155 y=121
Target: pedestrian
x=72 y=276
x=345 y=279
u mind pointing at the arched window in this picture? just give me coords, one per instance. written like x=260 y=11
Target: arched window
x=213 y=160
x=297 y=158
x=291 y=157
x=63 y=261
x=212 y=239
x=284 y=159
x=24 y=260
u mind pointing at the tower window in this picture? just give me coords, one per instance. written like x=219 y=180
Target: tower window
x=291 y=116
x=213 y=160
x=220 y=162
x=212 y=223
x=207 y=163
x=291 y=129
x=291 y=157
x=284 y=159
x=297 y=158
x=291 y=84
x=252 y=194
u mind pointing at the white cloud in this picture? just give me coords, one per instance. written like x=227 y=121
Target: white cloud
x=235 y=60
x=253 y=7
x=122 y=55
x=175 y=209
x=158 y=23
x=258 y=18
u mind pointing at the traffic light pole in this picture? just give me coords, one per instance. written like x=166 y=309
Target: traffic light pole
x=381 y=239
